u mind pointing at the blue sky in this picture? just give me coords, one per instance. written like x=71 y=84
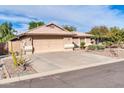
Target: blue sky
x=80 y=16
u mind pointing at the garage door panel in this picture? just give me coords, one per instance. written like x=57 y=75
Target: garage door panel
x=48 y=45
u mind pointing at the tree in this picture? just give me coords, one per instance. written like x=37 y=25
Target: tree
x=34 y=24
x=99 y=32
x=116 y=35
x=6 y=31
x=69 y=28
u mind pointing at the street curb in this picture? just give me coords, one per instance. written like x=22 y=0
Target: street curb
x=37 y=75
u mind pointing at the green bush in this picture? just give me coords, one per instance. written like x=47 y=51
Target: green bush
x=107 y=44
x=82 y=43
x=100 y=47
x=92 y=47
x=96 y=47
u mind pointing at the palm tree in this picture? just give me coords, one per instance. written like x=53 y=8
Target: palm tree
x=6 y=31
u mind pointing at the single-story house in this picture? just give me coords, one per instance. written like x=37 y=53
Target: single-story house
x=48 y=38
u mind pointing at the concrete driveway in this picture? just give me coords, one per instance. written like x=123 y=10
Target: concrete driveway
x=46 y=62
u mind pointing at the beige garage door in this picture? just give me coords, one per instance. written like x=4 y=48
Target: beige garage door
x=48 y=44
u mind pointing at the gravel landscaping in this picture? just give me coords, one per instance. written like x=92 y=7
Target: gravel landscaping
x=18 y=71
x=0 y=74
x=3 y=73
x=114 y=53
x=12 y=71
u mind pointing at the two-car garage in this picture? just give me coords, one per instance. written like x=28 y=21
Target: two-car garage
x=48 y=43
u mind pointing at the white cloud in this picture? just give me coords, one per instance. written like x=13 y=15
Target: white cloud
x=84 y=17
x=15 y=18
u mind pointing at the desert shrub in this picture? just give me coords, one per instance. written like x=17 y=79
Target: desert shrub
x=96 y=47
x=21 y=59
x=100 y=47
x=14 y=56
x=82 y=44
x=92 y=47
x=108 y=44
x=18 y=61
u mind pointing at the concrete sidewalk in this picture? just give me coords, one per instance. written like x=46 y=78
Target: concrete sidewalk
x=64 y=60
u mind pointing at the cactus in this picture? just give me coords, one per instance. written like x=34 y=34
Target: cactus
x=18 y=61
x=13 y=56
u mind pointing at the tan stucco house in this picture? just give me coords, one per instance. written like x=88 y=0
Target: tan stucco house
x=48 y=38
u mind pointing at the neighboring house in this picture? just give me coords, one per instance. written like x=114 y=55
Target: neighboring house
x=48 y=38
